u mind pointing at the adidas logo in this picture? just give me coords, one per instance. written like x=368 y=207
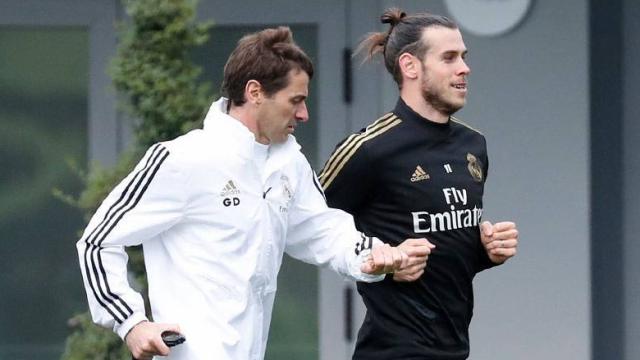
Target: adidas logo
x=229 y=189
x=419 y=174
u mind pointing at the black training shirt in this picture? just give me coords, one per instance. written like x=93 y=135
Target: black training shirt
x=407 y=177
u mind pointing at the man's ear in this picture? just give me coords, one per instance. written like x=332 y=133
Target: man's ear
x=409 y=65
x=253 y=92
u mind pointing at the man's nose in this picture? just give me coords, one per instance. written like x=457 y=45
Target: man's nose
x=464 y=69
x=302 y=114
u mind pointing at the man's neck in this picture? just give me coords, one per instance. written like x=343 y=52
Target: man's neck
x=416 y=102
x=244 y=115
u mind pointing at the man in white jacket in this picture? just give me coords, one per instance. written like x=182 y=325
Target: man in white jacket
x=216 y=209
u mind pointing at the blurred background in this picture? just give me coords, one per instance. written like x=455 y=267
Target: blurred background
x=555 y=91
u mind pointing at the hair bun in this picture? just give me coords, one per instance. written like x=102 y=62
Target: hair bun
x=392 y=16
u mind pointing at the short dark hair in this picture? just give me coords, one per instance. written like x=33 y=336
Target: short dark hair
x=266 y=56
x=404 y=36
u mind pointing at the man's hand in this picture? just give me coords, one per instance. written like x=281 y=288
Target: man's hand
x=384 y=259
x=418 y=251
x=145 y=341
x=500 y=240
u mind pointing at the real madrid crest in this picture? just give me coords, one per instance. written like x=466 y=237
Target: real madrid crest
x=475 y=168
x=286 y=188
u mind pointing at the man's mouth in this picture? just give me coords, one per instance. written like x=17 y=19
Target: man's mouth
x=460 y=86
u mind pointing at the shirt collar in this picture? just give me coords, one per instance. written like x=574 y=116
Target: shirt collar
x=404 y=112
x=220 y=123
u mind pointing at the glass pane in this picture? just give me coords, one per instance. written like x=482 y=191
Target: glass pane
x=43 y=117
x=294 y=327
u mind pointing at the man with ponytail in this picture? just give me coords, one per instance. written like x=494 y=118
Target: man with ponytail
x=215 y=210
x=418 y=171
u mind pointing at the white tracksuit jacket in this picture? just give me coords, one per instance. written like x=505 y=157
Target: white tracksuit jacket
x=213 y=231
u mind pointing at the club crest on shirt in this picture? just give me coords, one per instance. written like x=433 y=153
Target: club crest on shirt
x=475 y=168
x=286 y=188
x=287 y=194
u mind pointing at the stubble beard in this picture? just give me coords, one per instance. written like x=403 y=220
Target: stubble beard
x=437 y=101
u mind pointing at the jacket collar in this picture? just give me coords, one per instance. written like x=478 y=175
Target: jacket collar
x=224 y=126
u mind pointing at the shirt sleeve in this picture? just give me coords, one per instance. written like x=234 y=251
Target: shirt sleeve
x=484 y=262
x=486 y=160
x=148 y=201
x=346 y=177
x=323 y=236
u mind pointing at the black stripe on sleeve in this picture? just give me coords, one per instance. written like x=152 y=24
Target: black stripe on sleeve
x=317 y=185
x=368 y=242
x=156 y=157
